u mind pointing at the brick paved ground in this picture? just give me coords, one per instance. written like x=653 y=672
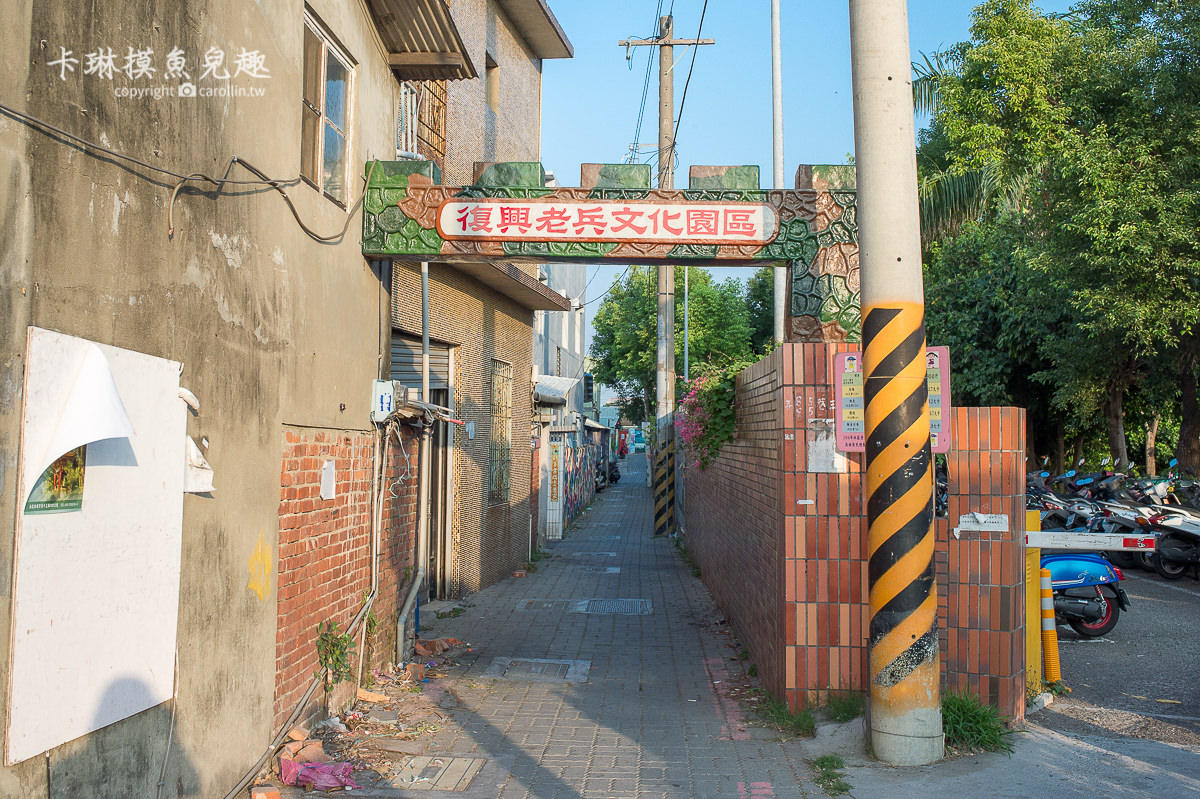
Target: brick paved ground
x=652 y=718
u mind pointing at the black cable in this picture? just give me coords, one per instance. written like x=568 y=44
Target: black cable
x=682 y=100
x=637 y=133
x=262 y=179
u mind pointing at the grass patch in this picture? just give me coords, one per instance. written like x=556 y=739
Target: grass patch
x=845 y=705
x=452 y=613
x=539 y=555
x=830 y=780
x=970 y=724
x=744 y=654
x=781 y=716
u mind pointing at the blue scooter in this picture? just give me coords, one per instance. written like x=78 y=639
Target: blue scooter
x=1087 y=592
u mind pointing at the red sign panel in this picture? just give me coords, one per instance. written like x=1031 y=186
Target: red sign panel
x=551 y=219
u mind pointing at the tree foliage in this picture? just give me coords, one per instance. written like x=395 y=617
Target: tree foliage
x=625 y=337
x=1097 y=117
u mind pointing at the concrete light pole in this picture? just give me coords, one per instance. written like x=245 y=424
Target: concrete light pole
x=781 y=272
x=905 y=710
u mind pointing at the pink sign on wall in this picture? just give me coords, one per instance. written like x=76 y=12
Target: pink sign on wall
x=850 y=405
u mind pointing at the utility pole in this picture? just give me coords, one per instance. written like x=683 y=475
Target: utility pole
x=905 y=709
x=665 y=368
x=782 y=295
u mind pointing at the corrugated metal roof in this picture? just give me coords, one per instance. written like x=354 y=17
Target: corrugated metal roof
x=553 y=390
x=539 y=27
x=422 y=40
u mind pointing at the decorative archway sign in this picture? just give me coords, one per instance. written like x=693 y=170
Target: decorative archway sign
x=723 y=218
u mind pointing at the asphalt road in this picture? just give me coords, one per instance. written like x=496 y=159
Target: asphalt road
x=1142 y=680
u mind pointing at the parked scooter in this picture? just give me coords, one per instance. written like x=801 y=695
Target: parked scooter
x=1087 y=592
x=614 y=473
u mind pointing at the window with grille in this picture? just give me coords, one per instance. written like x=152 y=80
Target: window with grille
x=421 y=120
x=325 y=113
x=500 y=456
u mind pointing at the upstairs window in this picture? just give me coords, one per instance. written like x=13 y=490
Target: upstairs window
x=325 y=126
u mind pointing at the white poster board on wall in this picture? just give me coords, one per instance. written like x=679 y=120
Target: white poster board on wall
x=95 y=583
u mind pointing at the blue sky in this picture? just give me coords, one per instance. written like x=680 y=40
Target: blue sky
x=590 y=103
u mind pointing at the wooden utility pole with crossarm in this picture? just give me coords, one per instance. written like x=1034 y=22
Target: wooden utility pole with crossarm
x=664 y=522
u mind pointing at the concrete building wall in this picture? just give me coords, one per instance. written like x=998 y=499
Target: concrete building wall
x=489 y=539
x=276 y=332
x=512 y=132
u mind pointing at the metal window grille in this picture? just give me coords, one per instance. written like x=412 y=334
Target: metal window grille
x=431 y=121
x=500 y=456
x=406 y=117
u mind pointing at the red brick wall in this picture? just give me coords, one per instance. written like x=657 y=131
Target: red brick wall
x=981 y=575
x=758 y=517
x=324 y=566
x=732 y=524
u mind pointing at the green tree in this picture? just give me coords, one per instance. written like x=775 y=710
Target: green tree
x=760 y=301
x=1098 y=115
x=625 y=338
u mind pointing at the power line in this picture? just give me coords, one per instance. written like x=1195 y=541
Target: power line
x=682 y=100
x=610 y=288
x=637 y=134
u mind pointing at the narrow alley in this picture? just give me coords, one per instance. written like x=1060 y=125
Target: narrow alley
x=607 y=672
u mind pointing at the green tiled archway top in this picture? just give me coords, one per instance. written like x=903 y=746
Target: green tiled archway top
x=817 y=235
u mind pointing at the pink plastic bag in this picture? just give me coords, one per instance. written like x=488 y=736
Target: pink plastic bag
x=322 y=776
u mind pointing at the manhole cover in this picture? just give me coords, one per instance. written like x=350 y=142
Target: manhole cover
x=595 y=554
x=539 y=669
x=438 y=773
x=607 y=537
x=600 y=569
x=621 y=607
x=543 y=604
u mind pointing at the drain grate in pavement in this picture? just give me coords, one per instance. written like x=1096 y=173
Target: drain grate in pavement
x=539 y=669
x=606 y=537
x=600 y=569
x=594 y=554
x=617 y=607
x=438 y=773
x=543 y=604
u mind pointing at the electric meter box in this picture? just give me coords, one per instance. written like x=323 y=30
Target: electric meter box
x=386 y=396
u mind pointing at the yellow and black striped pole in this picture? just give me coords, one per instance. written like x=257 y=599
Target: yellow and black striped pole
x=904 y=709
x=662 y=491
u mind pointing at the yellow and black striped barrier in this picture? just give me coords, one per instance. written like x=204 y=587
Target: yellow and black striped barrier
x=664 y=488
x=900 y=538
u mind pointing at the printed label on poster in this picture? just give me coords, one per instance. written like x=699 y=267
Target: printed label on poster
x=60 y=488
x=850 y=407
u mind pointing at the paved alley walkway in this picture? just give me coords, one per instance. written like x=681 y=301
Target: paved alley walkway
x=603 y=675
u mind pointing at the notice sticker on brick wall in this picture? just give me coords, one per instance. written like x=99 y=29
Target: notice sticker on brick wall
x=328 y=481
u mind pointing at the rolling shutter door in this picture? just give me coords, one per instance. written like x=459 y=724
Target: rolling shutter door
x=406 y=362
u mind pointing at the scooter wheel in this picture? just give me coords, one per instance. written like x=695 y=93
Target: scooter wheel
x=1122 y=559
x=1145 y=560
x=1168 y=569
x=1102 y=625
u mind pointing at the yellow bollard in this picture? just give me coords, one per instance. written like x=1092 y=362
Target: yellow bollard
x=1049 y=633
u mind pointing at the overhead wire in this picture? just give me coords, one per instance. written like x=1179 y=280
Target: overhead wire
x=683 y=99
x=261 y=178
x=637 y=133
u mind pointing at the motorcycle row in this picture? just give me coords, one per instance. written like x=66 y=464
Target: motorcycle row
x=1161 y=513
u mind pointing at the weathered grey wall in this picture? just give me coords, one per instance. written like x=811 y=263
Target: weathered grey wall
x=273 y=328
x=16 y=238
